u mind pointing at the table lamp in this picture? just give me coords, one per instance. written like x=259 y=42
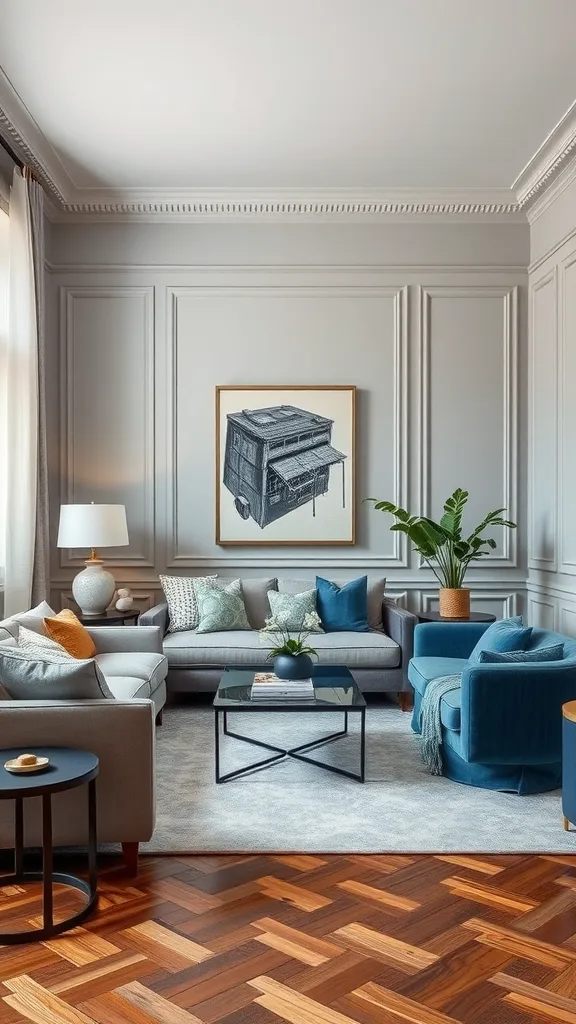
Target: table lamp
x=93 y=526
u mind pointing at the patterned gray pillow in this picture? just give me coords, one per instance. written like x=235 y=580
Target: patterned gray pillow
x=221 y=608
x=289 y=610
x=180 y=593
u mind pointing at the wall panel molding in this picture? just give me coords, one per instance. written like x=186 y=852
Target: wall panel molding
x=510 y=333
x=550 y=278
x=508 y=599
x=566 y=431
x=69 y=295
x=398 y=556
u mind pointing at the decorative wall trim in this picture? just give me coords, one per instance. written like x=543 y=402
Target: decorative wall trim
x=509 y=599
x=535 y=561
x=218 y=204
x=548 y=162
x=509 y=295
x=535 y=601
x=399 y=556
x=28 y=141
x=67 y=297
x=397 y=269
x=564 y=467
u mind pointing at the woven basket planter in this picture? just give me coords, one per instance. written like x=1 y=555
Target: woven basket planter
x=455 y=604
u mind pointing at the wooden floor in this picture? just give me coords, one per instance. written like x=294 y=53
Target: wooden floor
x=306 y=939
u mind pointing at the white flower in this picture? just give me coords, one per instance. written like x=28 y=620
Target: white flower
x=311 y=621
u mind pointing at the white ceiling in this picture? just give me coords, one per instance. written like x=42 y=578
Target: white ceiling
x=292 y=93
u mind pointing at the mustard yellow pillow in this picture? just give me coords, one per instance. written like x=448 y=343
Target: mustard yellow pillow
x=67 y=630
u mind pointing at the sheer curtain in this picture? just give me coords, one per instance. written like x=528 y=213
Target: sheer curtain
x=22 y=411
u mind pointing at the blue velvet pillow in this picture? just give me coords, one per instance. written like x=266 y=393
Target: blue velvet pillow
x=343 y=608
x=554 y=653
x=502 y=636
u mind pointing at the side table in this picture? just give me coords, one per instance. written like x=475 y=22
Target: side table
x=67 y=769
x=473 y=617
x=569 y=763
x=111 y=617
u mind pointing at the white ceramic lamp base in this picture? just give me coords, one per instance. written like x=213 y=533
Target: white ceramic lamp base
x=93 y=588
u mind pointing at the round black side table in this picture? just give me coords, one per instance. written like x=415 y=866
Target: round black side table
x=111 y=617
x=67 y=769
x=473 y=617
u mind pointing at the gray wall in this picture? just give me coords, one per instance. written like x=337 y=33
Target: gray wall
x=552 y=391
x=426 y=318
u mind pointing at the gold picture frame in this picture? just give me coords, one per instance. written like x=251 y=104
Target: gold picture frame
x=285 y=465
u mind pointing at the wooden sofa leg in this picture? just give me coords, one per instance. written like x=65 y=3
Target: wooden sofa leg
x=405 y=700
x=159 y=718
x=130 y=854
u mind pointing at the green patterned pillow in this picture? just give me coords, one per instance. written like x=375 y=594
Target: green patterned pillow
x=290 y=610
x=221 y=608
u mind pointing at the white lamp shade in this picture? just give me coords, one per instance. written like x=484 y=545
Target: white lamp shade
x=92 y=526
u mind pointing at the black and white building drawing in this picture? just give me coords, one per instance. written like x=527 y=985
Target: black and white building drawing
x=285 y=464
x=277 y=459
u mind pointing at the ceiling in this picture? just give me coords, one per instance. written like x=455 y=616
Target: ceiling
x=302 y=94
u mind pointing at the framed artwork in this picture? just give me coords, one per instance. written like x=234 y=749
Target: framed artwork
x=285 y=465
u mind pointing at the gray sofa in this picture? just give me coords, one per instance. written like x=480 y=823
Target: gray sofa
x=121 y=732
x=378 y=659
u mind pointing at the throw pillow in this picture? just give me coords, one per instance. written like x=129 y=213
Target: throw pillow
x=290 y=610
x=374 y=594
x=36 y=643
x=69 y=632
x=50 y=677
x=32 y=619
x=221 y=608
x=343 y=608
x=553 y=653
x=504 y=635
x=180 y=593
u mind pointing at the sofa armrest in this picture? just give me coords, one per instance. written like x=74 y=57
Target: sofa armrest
x=121 y=734
x=156 y=616
x=112 y=639
x=399 y=626
x=447 y=639
x=512 y=714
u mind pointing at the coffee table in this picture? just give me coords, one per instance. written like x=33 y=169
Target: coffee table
x=335 y=691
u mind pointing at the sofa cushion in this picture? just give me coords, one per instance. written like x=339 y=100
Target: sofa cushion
x=553 y=653
x=129 y=687
x=150 y=668
x=32 y=619
x=50 y=677
x=221 y=608
x=295 y=612
x=450 y=708
x=180 y=594
x=68 y=631
x=342 y=607
x=422 y=670
x=374 y=595
x=256 y=600
x=353 y=650
x=502 y=635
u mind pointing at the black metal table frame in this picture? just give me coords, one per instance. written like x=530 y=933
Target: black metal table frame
x=280 y=753
x=48 y=876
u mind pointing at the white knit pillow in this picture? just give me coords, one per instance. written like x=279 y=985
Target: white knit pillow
x=180 y=593
x=36 y=644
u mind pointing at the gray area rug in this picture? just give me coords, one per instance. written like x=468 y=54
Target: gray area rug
x=294 y=807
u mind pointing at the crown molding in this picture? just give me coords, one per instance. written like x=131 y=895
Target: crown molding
x=288 y=204
x=28 y=141
x=550 y=170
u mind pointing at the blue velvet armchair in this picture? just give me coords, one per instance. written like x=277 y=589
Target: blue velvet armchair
x=502 y=729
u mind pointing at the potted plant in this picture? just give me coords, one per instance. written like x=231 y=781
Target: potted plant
x=292 y=656
x=445 y=549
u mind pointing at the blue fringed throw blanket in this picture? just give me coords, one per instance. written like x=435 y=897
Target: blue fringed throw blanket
x=431 y=729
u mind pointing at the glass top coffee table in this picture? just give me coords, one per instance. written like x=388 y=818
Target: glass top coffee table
x=335 y=691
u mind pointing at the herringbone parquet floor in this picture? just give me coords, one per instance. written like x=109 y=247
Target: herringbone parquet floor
x=308 y=940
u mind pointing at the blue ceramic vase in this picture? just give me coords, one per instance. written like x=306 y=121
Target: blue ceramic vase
x=293 y=666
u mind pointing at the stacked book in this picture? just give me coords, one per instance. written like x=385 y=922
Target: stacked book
x=269 y=687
